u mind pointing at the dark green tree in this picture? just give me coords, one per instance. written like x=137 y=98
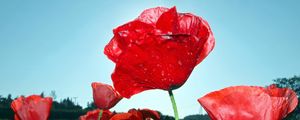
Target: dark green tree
x=90 y=106
x=42 y=94
x=5 y=102
x=197 y=117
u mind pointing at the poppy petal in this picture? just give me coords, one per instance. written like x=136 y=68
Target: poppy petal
x=194 y=25
x=284 y=100
x=105 y=96
x=147 y=114
x=165 y=65
x=93 y=115
x=248 y=103
x=126 y=116
x=33 y=107
x=238 y=103
x=150 y=16
x=167 y=22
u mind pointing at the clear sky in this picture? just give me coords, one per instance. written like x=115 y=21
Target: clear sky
x=58 y=45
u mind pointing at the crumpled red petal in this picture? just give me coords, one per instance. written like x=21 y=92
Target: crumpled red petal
x=133 y=114
x=33 y=107
x=158 y=50
x=284 y=99
x=150 y=16
x=126 y=116
x=93 y=115
x=147 y=114
x=167 y=22
x=249 y=103
x=105 y=96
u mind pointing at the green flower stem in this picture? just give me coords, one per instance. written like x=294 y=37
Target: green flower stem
x=100 y=114
x=174 y=104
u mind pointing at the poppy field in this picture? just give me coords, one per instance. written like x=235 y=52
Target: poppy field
x=159 y=49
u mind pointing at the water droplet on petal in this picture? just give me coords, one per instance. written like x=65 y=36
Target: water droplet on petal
x=138 y=30
x=156 y=57
x=162 y=73
x=123 y=33
x=166 y=37
x=179 y=62
x=130 y=45
x=168 y=46
x=190 y=53
x=158 y=65
x=141 y=65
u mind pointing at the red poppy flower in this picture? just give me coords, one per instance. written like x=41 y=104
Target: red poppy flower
x=249 y=103
x=93 y=115
x=33 y=107
x=284 y=99
x=133 y=114
x=105 y=96
x=158 y=50
x=147 y=113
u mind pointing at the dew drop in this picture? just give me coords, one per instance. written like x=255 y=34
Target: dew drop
x=162 y=73
x=168 y=46
x=141 y=65
x=138 y=30
x=158 y=65
x=166 y=37
x=179 y=62
x=156 y=57
x=130 y=45
x=123 y=33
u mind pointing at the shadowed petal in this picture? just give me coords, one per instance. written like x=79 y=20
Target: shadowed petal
x=105 y=97
x=93 y=115
x=33 y=107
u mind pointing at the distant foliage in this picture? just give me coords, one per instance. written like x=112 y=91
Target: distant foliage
x=190 y=117
x=166 y=117
x=65 y=104
x=5 y=101
x=6 y=111
x=90 y=106
x=197 y=117
x=293 y=83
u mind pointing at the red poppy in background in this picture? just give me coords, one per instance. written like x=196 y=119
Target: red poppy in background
x=33 y=107
x=133 y=114
x=284 y=99
x=147 y=113
x=158 y=50
x=105 y=96
x=249 y=103
x=93 y=115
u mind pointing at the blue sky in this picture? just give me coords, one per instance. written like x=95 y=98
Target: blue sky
x=58 y=45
